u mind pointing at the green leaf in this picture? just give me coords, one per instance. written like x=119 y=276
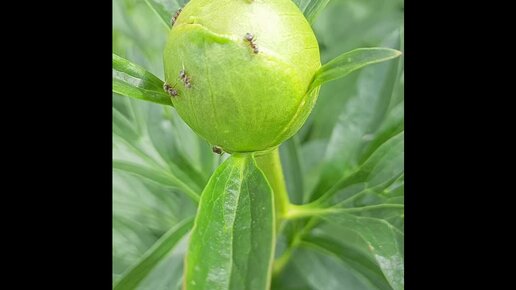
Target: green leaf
x=232 y=242
x=153 y=256
x=323 y=269
x=133 y=81
x=312 y=153
x=168 y=133
x=360 y=265
x=301 y=4
x=383 y=165
x=156 y=176
x=384 y=243
x=314 y=8
x=311 y=8
x=291 y=162
x=142 y=212
x=370 y=116
x=164 y=14
x=155 y=139
x=351 y=61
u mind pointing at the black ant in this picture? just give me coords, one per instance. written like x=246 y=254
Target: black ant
x=170 y=90
x=185 y=78
x=174 y=18
x=217 y=149
x=250 y=38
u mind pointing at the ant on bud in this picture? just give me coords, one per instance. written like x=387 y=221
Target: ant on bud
x=250 y=38
x=174 y=18
x=170 y=90
x=185 y=78
x=217 y=150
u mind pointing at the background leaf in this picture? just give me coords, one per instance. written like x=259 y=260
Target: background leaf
x=133 y=81
x=382 y=167
x=384 y=242
x=370 y=117
x=291 y=162
x=164 y=10
x=153 y=256
x=151 y=136
x=313 y=9
x=352 y=118
x=236 y=214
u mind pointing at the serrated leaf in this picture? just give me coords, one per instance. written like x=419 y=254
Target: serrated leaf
x=232 y=242
x=384 y=242
x=153 y=256
x=351 y=61
x=133 y=81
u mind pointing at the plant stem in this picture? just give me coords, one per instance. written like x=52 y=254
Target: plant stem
x=307 y=210
x=281 y=262
x=270 y=164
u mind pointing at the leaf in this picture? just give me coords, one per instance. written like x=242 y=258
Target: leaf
x=164 y=14
x=133 y=81
x=301 y=4
x=323 y=270
x=153 y=138
x=142 y=212
x=311 y=8
x=371 y=116
x=312 y=153
x=153 y=256
x=290 y=279
x=384 y=164
x=350 y=61
x=232 y=241
x=291 y=163
x=359 y=263
x=130 y=241
x=169 y=272
x=314 y=8
x=156 y=176
x=181 y=150
x=143 y=208
x=384 y=242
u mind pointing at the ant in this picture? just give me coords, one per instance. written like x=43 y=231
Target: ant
x=250 y=38
x=217 y=149
x=170 y=90
x=174 y=18
x=185 y=78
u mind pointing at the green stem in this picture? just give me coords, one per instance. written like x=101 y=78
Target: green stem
x=281 y=262
x=270 y=164
x=301 y=211
x=313 y=213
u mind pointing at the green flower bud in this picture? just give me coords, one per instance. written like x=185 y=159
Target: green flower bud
x=241 y=70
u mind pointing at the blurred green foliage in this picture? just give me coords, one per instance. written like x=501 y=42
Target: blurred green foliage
x=352 y=118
